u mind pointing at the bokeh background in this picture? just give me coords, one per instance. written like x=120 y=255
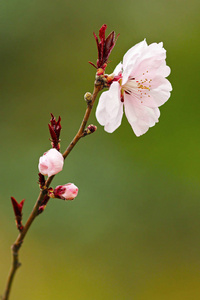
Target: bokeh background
x=134 y=230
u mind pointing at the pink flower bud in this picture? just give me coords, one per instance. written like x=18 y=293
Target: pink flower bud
x=66 y=192
x=51 y=162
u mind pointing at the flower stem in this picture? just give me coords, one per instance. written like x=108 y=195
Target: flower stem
x=17 y=244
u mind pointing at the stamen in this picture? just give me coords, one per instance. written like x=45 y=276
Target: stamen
x=137 y=87
x=127 y=92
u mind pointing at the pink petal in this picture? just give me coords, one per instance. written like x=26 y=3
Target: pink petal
x=150 y=63
x=130 y=58
x=154 y=50
x=147 y=68
x=159 y=93
x=139 y=116
x=51 y=162
x=164 y=70
x=110 y=108
x=118 y=69
x=133 y=53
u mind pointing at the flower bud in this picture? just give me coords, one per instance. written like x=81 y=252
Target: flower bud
x=104 y=47
x=88 y=97
x=100 y=71
x=17 y=207
x=90 y=129
x=66 y=192
x=41 y=209
x=51 y=162
x=54 y=129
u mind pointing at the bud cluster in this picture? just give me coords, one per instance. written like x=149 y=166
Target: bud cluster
x=104 y=47
x=52 y=161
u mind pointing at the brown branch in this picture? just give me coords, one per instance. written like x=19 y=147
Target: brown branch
x=98 y=86
x=17 y=244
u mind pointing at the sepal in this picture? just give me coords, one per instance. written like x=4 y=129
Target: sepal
x=104 y=47
x=17 y=207
x=41 y=181
x=54 y=129
x=43 y=204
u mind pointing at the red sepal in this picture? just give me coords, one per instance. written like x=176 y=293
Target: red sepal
x=41 y=180
x=17 y=207
x=54 y=129
x=43 y=204
x=104 y=47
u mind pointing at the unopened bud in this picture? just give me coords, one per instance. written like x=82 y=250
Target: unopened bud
x=66 y=192
x=51 y=162
x=54 y=129
x=88 y=97
x=41 y=209
x=51 y=193
x=90 y=129
x=17 y=207
x=100 y=71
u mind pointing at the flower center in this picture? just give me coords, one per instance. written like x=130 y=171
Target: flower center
x=140 y=88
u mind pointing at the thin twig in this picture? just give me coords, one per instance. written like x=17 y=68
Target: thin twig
x=17 y=244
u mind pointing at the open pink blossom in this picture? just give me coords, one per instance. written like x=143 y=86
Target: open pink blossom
x=139 y=85
x=66 y=192
x=51 y=162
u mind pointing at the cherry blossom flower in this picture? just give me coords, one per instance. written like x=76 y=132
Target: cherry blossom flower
x=139 y=85
x=66 y=192
x=51 y=162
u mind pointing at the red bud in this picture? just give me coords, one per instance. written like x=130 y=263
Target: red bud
x=104 y=47
x=54 y=129
x=17 y=207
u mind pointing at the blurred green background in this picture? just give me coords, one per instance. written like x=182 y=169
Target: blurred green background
x=134 y=230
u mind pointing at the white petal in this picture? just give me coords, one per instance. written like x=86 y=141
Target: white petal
x=154 y=50
x=147 y=68
x=159 y=93
x=133 y=53
x=163 y=70
x=150 y=63
x=110 y=108
x=140 y=117
x=130 y=58
x=118 y=69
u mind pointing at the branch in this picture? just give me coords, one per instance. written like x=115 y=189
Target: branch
x=17 y=244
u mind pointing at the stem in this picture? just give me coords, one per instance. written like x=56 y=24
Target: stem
x=85 y=119
x=17 y=244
